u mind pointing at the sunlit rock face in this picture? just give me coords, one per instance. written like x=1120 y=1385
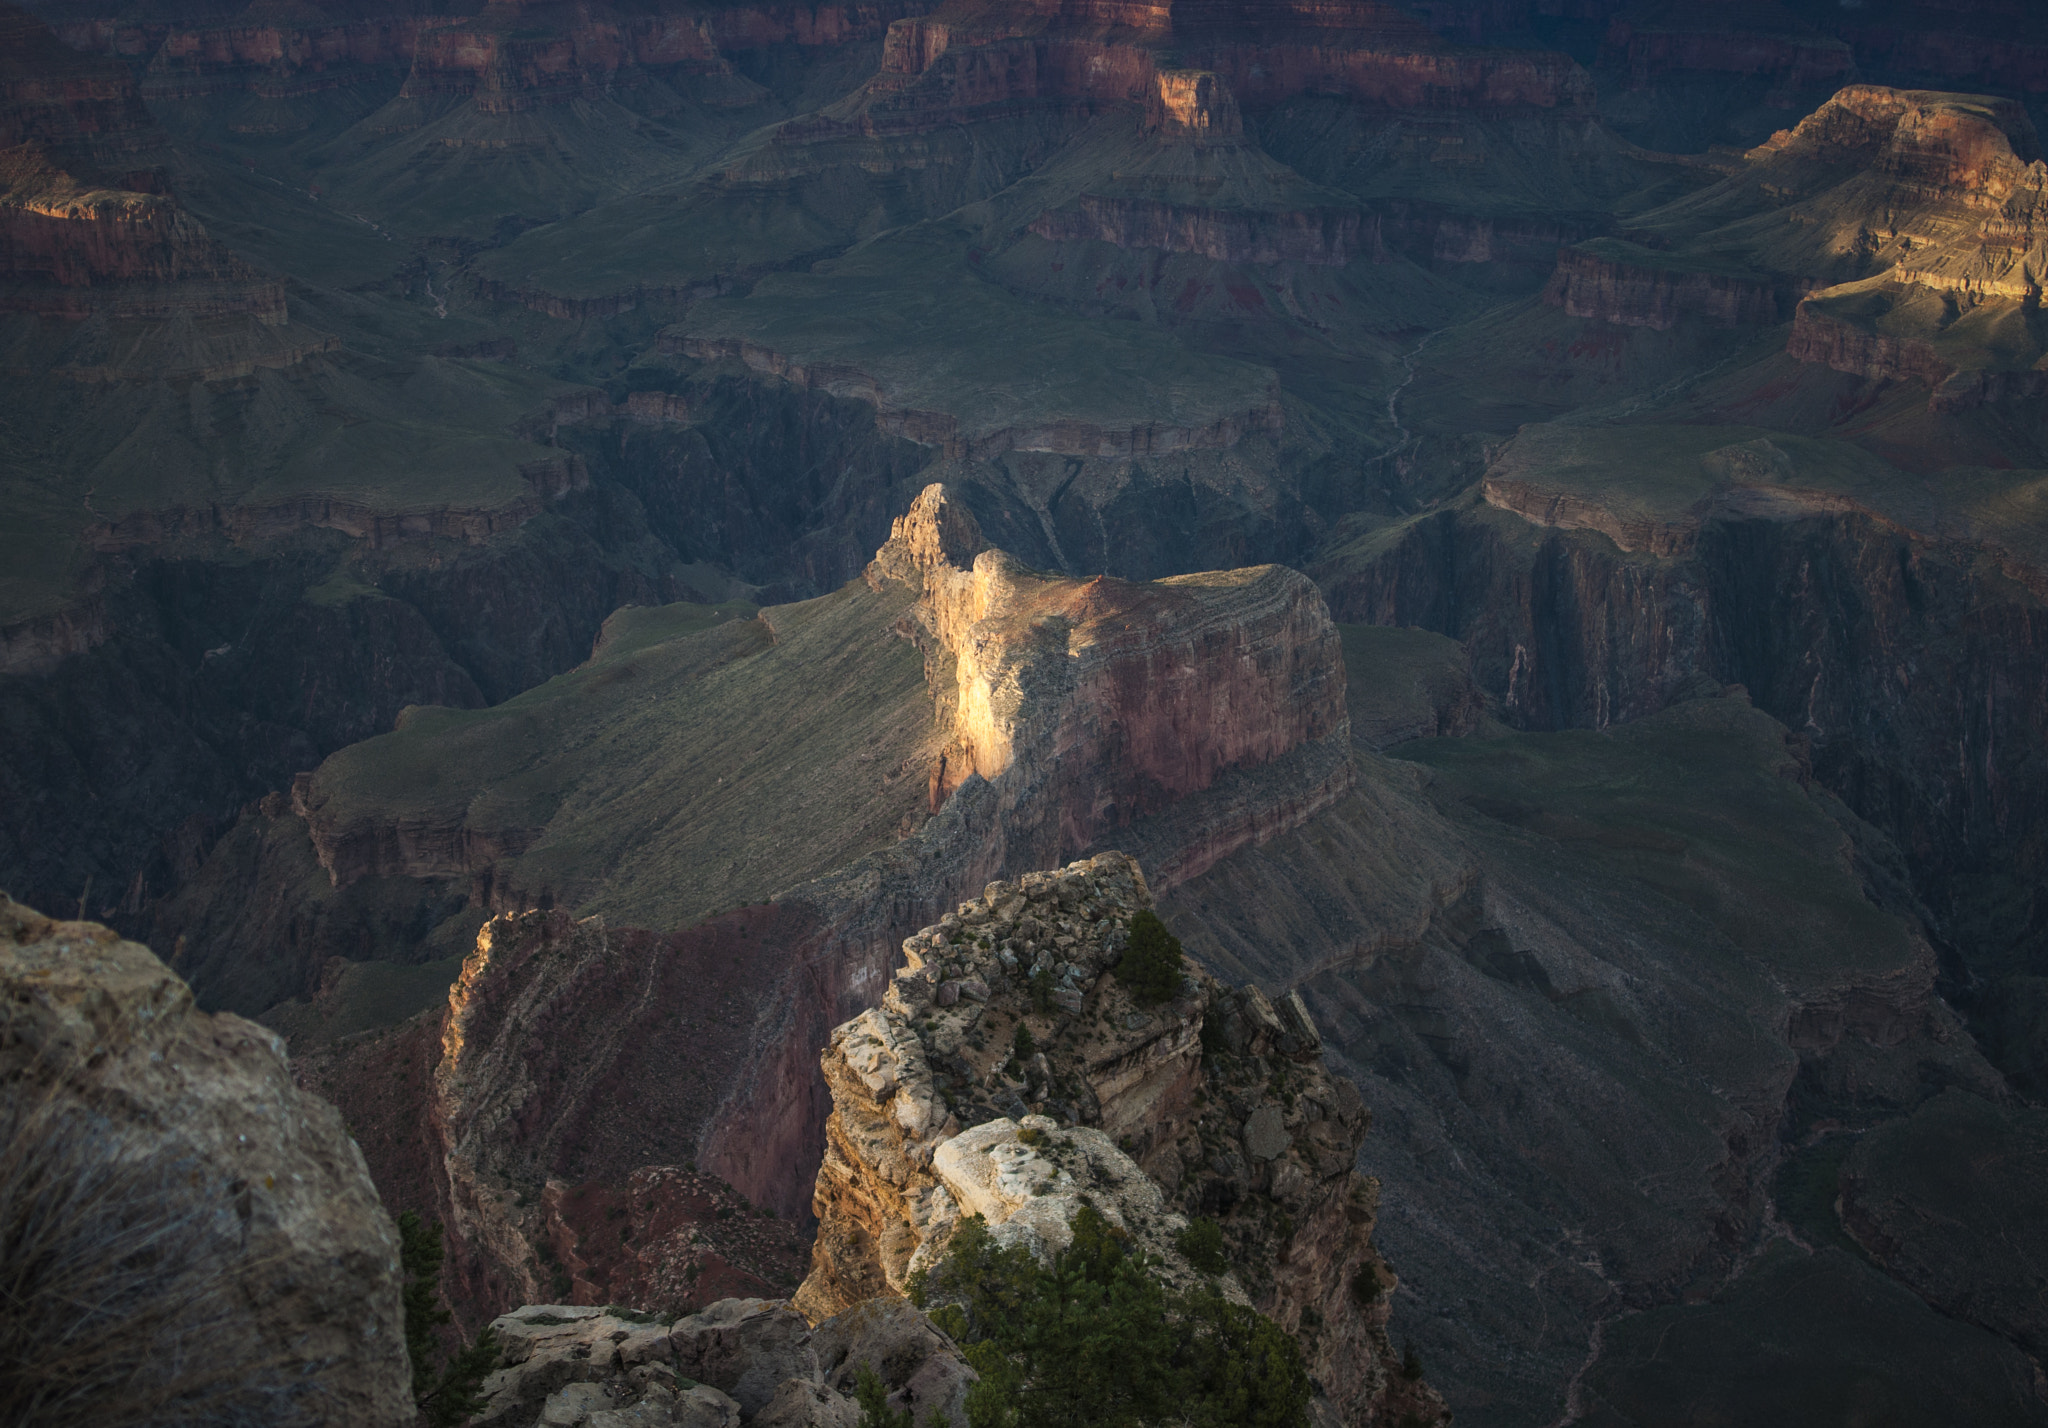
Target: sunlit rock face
x=1109 y=699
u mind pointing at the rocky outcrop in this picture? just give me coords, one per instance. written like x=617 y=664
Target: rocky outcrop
x=188 y=1233
x=751 y=1361
x=1214 y=1103
x=1636 y=292
x=1214 y=721
x=1110 y=700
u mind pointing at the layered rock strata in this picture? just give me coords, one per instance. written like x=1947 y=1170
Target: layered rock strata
x=189 y=1235
x=1108 y=700
x=1214 y=1103
x=86 y=228
x=1196 y=715
x=1601 y=285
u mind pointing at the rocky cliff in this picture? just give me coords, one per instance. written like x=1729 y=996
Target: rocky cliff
x=86 y=227
x=1109 y=700
x=190 y=1237
x=1194 y=716
x=1215 y=1104
x=1635 y=291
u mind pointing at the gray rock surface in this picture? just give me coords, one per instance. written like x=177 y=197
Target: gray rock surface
x=746 y=1347
x=189 y=1235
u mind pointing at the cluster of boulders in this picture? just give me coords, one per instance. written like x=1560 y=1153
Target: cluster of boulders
x=755 y=1362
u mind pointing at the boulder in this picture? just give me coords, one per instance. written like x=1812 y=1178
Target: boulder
x=573 y=1366
x=801 y=1403
x=747 y=1348
x=181 y=1220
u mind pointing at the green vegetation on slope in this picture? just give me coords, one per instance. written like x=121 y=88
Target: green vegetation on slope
x=705 y=757
x=1094 y=1339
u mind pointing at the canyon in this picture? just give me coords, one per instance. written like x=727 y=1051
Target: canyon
x=560 y=558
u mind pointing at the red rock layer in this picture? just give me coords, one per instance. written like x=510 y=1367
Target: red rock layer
x=1588 y=285
x=1818 y=336
x=85 y=226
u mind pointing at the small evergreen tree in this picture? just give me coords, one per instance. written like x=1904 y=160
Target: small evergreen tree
x=873 y=1396
x=1150 y=966
x=454 y=1395
x=1202 y=1243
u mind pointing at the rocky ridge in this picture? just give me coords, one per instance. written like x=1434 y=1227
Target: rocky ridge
x=1215 y=1103
x=1189 y=717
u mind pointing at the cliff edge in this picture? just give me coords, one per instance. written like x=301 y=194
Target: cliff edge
x=189 y=1237
x=1009 y=1073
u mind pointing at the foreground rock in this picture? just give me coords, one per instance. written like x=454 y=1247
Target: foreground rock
x=1214 y=1103
x=752 y=1361
x=188 y=1235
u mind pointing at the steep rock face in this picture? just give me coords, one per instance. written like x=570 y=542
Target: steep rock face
x=1158 y=689
x=1904 y=651
x=155 y=1136
x=934 y=1119
x=1600 y=285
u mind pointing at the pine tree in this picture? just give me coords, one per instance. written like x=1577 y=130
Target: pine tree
x=455 y=1395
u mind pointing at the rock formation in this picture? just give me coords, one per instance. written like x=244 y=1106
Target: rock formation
x=1607 y=282
x=1214 y=1103
x=751 y=1361
x=1088 y=704
x=86 y=227
x=187 y=1232
x=1192 y=717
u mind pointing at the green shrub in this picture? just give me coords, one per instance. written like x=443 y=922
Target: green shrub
x=1150 y=966
x=1366 y=1287
x=1095 y=1339
x=1202 y=1243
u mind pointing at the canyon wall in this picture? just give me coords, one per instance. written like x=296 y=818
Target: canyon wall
x=1593 y=284
x=1904 y=650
